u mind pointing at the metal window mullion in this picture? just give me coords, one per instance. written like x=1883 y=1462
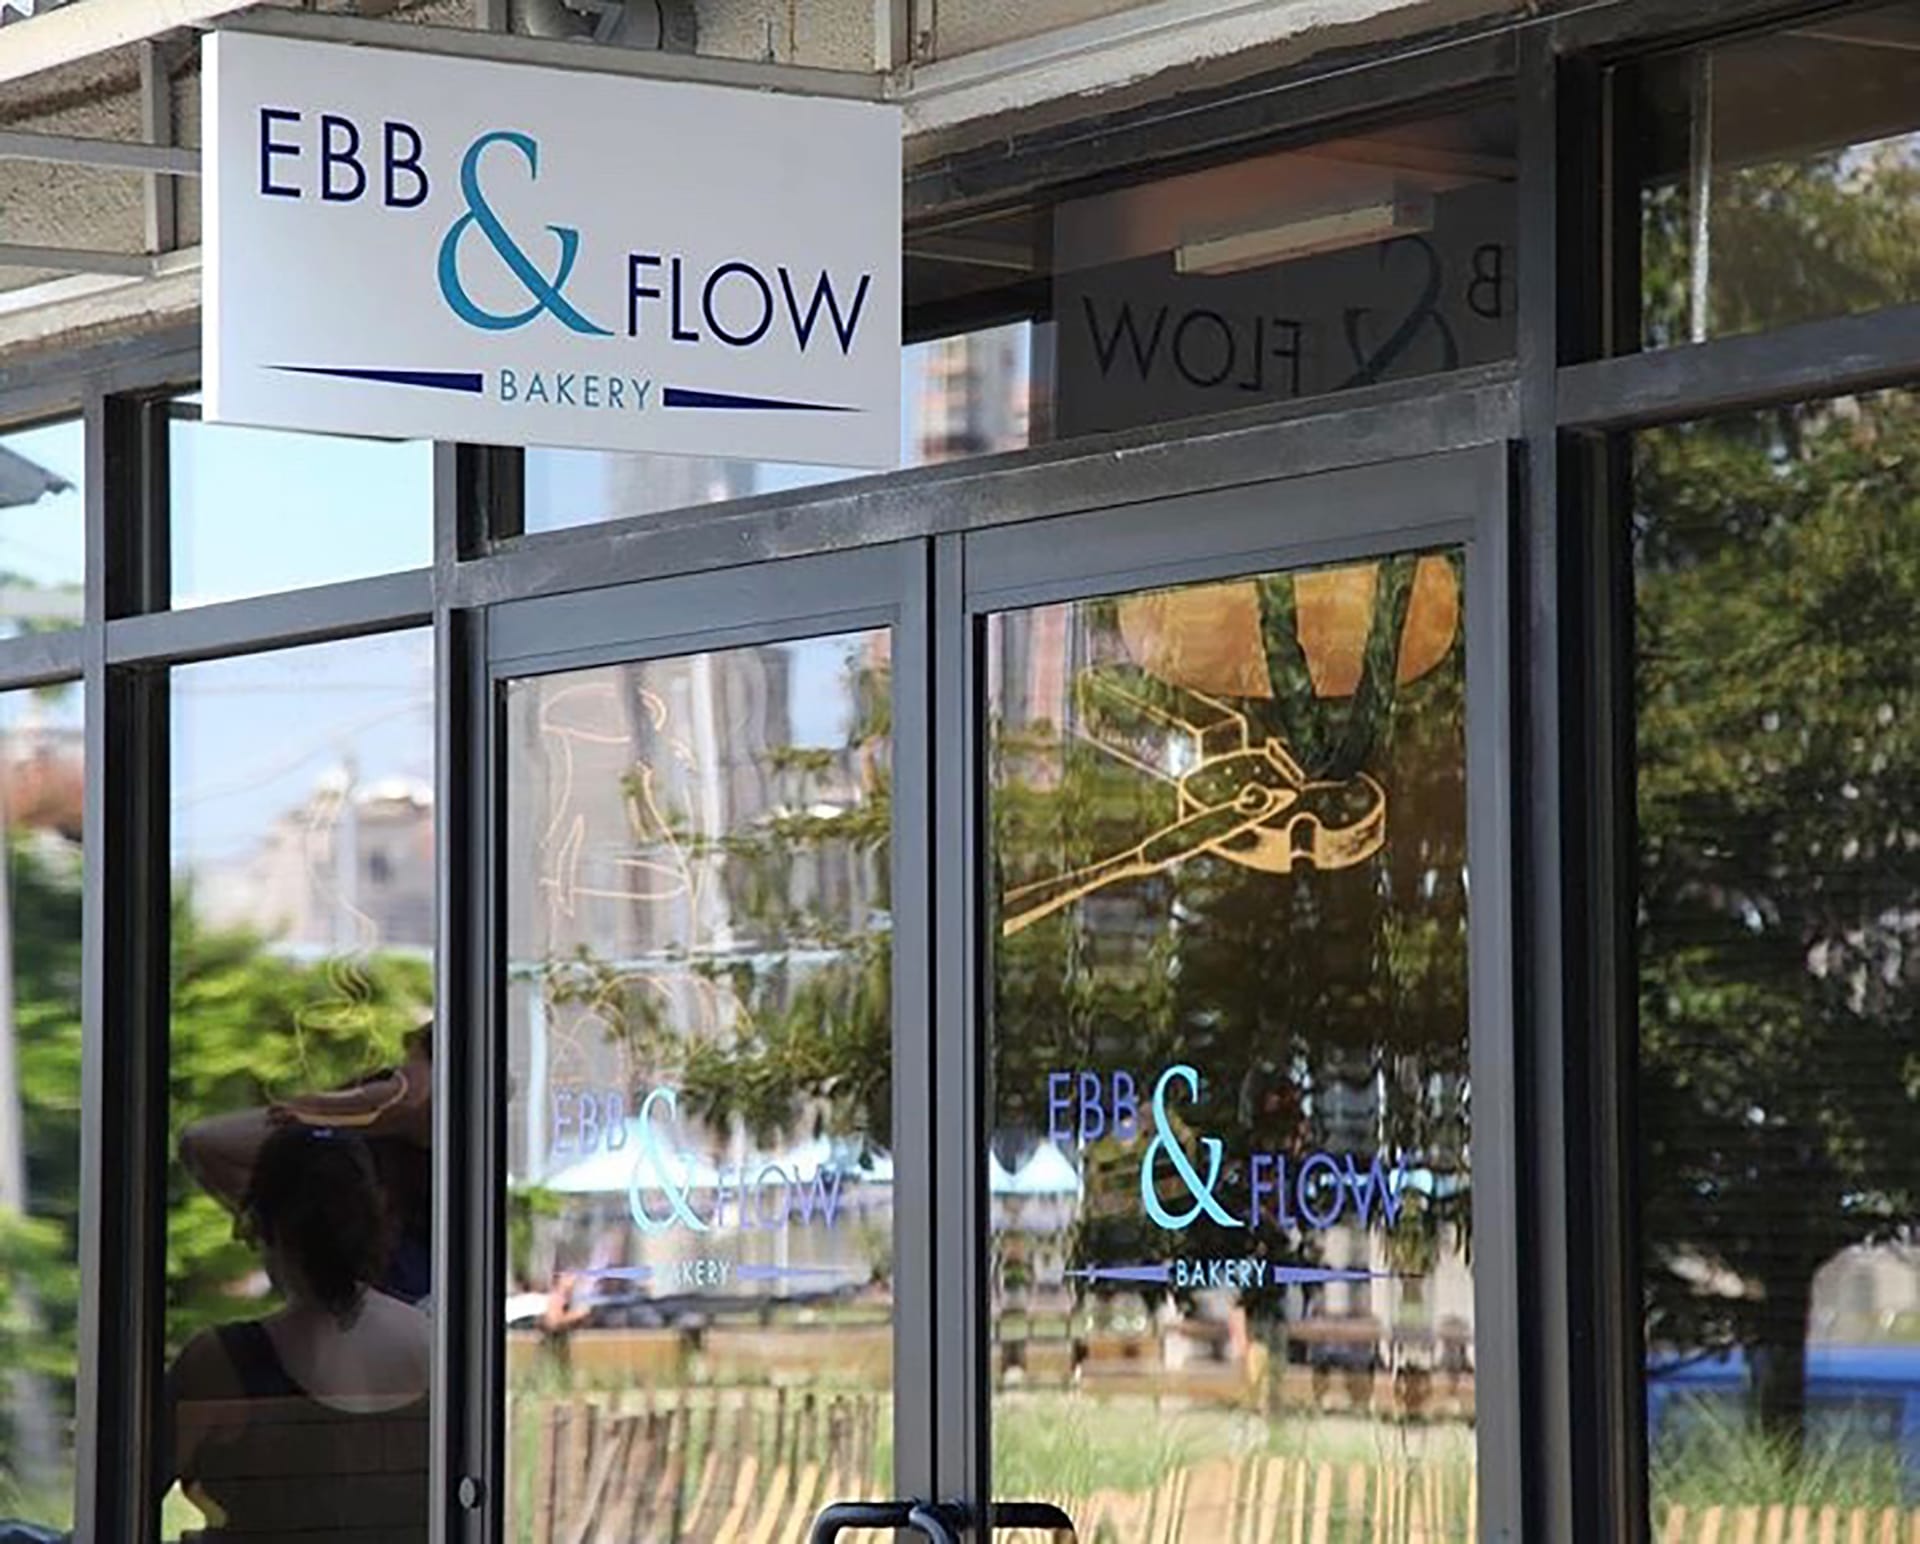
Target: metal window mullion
x=1544 y=951
x=42 y=659
x=1837 y=357
x=926 y=1287
x=281 y=620
x=963 y=1384
x=1595 y=487
x=467 y=1236
x=125 y=935
x=468 y=1230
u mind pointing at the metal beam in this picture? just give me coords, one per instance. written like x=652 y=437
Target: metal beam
x=1814 y=359
x=158 y=128
x=41 y=659
x=559 y=53
x=126 y=265
x=349 y=609
x=1126 y=47
x=1291 y=103
x=116 y=155
x=76 y=32
x=1438 y=413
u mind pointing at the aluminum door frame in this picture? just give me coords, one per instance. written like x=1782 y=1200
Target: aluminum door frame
x=1459 y=499
x=878 y=586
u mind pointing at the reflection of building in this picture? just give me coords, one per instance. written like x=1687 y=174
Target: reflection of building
x=662 y=797
x=24 y=482
x=41 y=780
x=974 y=399
x=349 y=869
x=1866 y=1294
x=692 y=851
x=633 y=484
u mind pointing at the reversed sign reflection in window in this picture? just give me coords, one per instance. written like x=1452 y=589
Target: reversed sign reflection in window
x=604 y=1141
x=1278 y=278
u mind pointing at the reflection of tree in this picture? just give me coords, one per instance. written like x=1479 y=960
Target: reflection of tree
x=817 y=1035
x=248 y=1027
x=234 y=1044
x=39 y=1274
x=1823 y=235
x=1779 y=789
x=1779 y=562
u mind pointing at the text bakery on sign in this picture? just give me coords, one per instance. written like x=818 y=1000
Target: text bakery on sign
x=464 y=250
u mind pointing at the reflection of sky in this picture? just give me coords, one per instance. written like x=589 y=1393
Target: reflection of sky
x=252 y=737
x=41 y=707
x=256 y=510
x=42 y=541
x=822 y=708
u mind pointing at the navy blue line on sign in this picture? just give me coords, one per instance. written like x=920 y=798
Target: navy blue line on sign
x=439 y=380
x=1315 y=1275
x=687 y=396
x=1138 y=1273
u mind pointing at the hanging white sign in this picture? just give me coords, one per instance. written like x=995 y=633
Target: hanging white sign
x=417 y=246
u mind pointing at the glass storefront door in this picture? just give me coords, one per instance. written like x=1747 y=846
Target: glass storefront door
x=1247 y=1245
x=703 y=1173
x=1017 y=1019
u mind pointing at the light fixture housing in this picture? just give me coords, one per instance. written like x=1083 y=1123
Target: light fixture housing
x=1404 y=212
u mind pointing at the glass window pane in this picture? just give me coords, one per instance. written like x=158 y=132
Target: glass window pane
x=40 y=1131
x=1777 y=579
x=42 y=527
x=259 y=510
x=699 y=1054
x=298 y=1203
x=1229 y=1161
x=962 y=396
x=1780 y=177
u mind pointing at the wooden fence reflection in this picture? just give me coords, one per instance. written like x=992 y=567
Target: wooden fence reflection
x=744 y=1467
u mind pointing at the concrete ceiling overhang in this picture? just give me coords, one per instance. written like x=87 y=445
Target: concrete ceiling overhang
x=127 y=71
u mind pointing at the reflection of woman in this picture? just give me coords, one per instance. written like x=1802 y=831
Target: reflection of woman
x=392 y=1110
x=312 y=1421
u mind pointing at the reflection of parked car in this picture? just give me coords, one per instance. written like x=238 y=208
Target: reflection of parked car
x=1859 y=1395
x=620 y=1305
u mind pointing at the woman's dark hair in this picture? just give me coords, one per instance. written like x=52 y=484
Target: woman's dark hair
x=316 y=1197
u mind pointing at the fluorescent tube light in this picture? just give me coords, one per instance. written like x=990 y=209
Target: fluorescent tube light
x=1404 y=214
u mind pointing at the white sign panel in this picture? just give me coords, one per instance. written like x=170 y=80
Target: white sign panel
x=423 y=247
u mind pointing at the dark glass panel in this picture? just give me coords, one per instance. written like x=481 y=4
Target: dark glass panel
x=1777 y=581
x=298 y=1283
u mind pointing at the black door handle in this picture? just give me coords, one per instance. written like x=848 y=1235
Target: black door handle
x=922 y=1518
x=932 y=1520
x=1031 y=1514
